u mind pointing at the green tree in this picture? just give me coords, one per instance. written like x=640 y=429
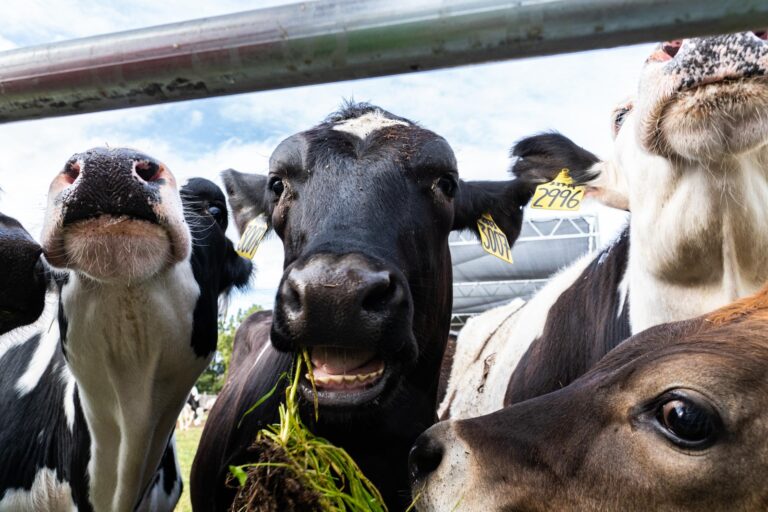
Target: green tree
x=213 y=378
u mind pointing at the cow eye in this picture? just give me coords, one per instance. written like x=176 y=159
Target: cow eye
x=448 y=185
x=619 y=116
x=217 y=212
x=687 y=422
x=276 y=186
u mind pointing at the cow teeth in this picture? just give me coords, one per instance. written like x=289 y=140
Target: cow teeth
x=335 y=379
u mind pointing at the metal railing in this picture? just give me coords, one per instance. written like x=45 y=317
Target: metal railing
x=332 y=40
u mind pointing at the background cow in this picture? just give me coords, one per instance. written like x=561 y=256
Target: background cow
x=691 y=164
x=364 y=203
x=91 y=390
x=23 y=279
x=674 y=419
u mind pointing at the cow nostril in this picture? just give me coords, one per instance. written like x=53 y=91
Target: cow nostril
x=147 y=171
x=425 y=457
x=290 y=296
x=72 y=171
x=380 y=293
x=672 y=47
x=761 y=34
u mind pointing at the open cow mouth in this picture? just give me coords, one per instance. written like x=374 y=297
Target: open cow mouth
x=345 y=376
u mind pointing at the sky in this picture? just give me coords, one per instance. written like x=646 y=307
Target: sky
x=481 y=110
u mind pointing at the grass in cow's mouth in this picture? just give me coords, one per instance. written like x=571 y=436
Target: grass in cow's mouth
x=296 y=471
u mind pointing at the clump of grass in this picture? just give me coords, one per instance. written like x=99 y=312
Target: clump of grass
x=296 y=470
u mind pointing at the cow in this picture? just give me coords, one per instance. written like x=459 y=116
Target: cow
x=673 y=419
x=364 y=203
x=90 y=390
x=23 y=279
x=690 y=163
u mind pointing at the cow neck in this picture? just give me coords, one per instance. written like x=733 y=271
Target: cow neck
x=129 y=350
x=701 y=233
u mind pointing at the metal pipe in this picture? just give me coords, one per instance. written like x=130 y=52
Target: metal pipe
x=331 y=40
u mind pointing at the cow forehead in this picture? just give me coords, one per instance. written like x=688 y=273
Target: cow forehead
x=368 y=123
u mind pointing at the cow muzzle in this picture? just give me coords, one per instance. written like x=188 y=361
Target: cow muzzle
x=354 y=316
x=705 y=96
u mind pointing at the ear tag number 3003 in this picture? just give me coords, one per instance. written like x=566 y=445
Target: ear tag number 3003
x=558 y=194
x=252 y=237
x=493 y=239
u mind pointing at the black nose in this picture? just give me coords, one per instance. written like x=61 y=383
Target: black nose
x=425 y=456
x=339 y=300
x=113 y=181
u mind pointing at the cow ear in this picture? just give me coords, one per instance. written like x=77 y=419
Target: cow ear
x=503 y=200
x=540 y=159
x=237 y=270
x=247 y=195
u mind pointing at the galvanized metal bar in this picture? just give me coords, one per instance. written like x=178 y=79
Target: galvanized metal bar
x=331 y=40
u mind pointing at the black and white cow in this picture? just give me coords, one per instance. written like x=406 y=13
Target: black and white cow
x=364 y=203
x=91 y=390
x=691 y=164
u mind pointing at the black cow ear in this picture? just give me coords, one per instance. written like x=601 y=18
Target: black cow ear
x=540 y=159
x=247 y=195
x=503 y=200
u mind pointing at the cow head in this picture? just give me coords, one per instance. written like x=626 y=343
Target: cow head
x=364 y=203
x=700 y=103
x=22 y=281
x=672 y=419
x=114 y=214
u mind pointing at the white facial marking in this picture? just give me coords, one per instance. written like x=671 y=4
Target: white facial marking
x=368 y=123
x=47 y=493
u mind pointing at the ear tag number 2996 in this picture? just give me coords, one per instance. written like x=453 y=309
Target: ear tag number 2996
x=252 y=236
x=493 y=239
x=558 y=194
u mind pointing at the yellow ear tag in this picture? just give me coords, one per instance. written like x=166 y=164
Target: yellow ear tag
x=493 y=239
x=254 y=233
x=558 y=194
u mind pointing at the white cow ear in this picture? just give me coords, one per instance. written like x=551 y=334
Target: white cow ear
x=246 y=193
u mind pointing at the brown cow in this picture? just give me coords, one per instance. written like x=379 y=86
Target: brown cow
x=675 y=418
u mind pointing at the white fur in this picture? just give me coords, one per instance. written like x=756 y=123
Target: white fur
x=46 y=347
x=718 y=206
x=47 y=493
x=491 y=345
x=129 y=349
x=366 y=124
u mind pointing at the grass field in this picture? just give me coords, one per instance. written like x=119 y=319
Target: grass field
x=186 y=443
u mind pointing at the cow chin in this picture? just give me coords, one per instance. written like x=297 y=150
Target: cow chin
x=713 y=121
x=115 y=249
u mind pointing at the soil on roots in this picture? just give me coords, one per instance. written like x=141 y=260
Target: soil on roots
x=272 y=488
